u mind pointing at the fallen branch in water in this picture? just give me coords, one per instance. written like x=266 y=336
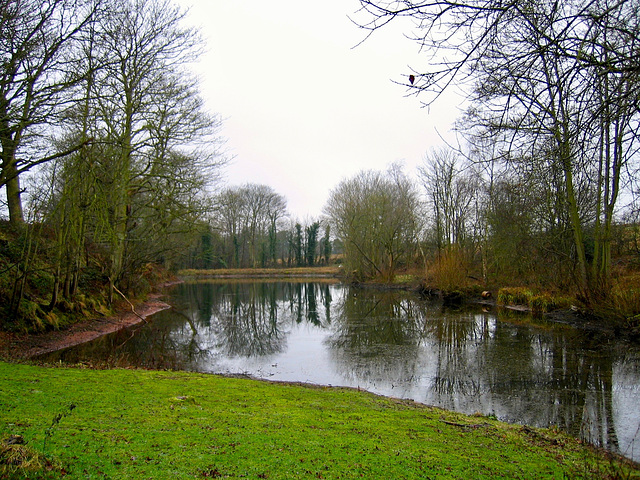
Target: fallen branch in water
x=133 y=309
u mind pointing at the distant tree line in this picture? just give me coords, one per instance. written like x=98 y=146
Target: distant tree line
x=249 y=227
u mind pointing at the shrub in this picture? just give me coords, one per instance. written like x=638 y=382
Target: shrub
x=449 y=270
x=623 y=302
x=42 y=284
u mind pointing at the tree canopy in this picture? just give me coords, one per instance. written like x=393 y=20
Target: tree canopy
x=377 y=218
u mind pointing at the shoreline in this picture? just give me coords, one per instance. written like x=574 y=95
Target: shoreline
x=244 y=428
x=24 y=346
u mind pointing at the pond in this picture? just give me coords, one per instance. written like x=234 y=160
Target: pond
x=392 y=343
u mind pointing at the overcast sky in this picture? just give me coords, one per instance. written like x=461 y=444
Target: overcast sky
x=303 y=108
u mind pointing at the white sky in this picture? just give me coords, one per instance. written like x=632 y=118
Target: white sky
x=303 y=109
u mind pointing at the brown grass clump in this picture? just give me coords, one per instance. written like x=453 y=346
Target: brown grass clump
x=18 y=460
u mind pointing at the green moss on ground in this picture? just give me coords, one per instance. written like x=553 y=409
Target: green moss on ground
x=145 y=424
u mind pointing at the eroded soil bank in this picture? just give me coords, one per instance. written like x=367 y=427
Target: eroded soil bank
x=16 y=346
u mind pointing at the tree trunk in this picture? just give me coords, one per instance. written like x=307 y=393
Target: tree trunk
x=576 y=224
x=56 y=288
x=14 y=202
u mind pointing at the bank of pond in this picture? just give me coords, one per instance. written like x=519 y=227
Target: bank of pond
x=474 y=360
x=79 y=423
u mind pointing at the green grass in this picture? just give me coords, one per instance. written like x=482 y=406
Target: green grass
x=514 y=296
x=537 y=302
x=175 y=425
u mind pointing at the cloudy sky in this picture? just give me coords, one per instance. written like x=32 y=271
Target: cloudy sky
x=304 y=107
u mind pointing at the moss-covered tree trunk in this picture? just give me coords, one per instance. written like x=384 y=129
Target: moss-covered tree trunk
x=11 y=180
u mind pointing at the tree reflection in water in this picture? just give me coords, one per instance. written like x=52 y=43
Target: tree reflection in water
x=393 y=343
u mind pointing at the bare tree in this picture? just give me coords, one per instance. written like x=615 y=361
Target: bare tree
x=264 y=207
x=248 y=217
x=451 y=193
x=559 y=109
x=38 y=47
x=155 y=150
x=559 y=74
x=375 y=215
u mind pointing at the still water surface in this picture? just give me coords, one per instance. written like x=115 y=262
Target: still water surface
x=395 y=344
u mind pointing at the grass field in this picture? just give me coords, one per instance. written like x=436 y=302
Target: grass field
x=78 y=423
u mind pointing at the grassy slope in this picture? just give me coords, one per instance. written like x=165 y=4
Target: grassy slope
x=144 y=424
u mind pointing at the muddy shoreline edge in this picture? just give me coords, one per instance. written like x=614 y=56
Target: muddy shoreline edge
x=23 y=346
